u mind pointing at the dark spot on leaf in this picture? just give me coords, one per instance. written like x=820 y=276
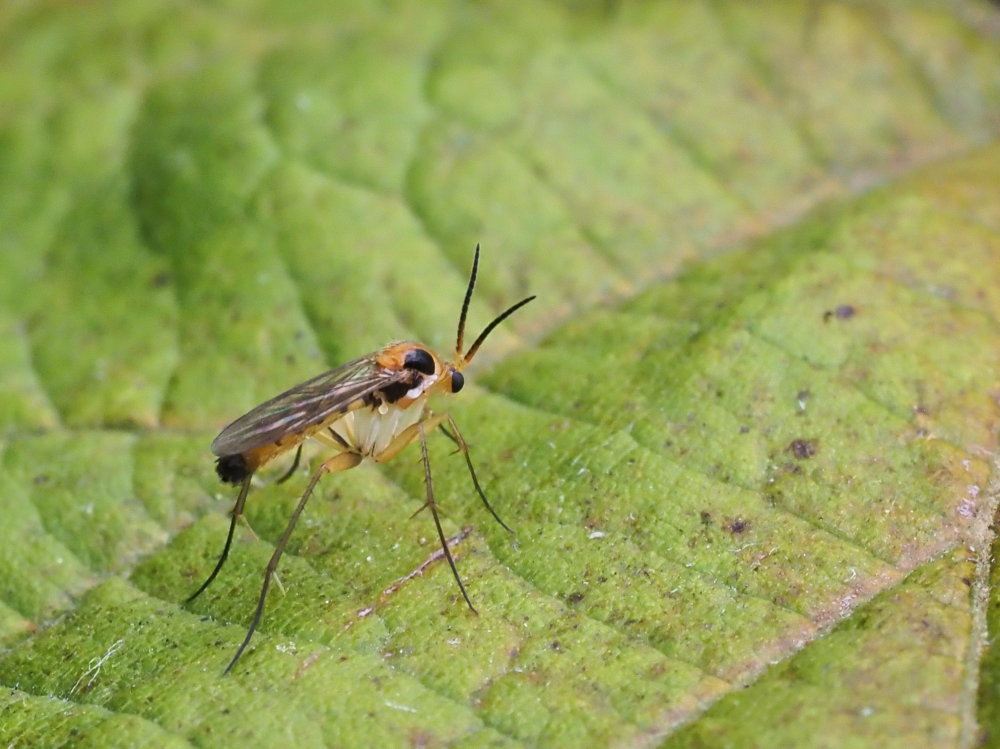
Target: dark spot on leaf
x=803 y=449
x=159 y=280
x=845 y=312
x=841 y=312
x=744 y=429
x=706 y=517
x=41 y=478
x=739 y=525
x=575 y=597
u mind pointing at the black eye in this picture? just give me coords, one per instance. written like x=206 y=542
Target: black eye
x=419 y=360
x=457 y=381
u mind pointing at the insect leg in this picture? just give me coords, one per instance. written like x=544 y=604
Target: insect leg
x=434 y=512
x=295 y=464
x=404 y=438
x=236 y=513
x=277 y=580
x=463 y=448
x=339 y=462
x=407 y=436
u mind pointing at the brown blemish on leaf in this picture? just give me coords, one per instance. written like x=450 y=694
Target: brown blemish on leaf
x=737 y=526
x=159 y=280
x=845 y=311
x=307 y=664
x=803 y=448
x=437 y=555
x=841 y=312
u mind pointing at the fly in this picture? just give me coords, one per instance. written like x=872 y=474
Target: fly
x=367 y=409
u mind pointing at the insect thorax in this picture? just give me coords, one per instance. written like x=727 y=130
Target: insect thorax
x=371 y=429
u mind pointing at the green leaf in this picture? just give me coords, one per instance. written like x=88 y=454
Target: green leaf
x=746 y=435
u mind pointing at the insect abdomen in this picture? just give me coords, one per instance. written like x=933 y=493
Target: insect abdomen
x=232 y=469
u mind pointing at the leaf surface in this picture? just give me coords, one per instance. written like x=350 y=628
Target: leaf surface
x=746 y=435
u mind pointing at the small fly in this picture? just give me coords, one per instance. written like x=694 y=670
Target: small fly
x=370 y=408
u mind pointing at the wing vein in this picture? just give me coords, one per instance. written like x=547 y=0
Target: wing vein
x=306 y=406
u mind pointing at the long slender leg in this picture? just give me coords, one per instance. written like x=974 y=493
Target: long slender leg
x=295 y=464
x=463 y=448
x=236 y=513
x=277 y=580
x=339 y=462
x=437 y=521
x=407 y=436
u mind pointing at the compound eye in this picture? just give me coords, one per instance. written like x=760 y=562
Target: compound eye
x=419 y=360
x=457 y=381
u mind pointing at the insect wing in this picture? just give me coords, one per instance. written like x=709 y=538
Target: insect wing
x=313 y=402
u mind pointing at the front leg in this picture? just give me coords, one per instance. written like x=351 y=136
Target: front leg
x=431 y=503
x=401 y=440
x=463 y=448
x=415 y=431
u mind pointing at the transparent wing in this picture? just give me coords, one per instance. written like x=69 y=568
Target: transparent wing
x=315 y=401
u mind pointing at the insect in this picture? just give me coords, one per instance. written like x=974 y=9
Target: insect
x=368 y=409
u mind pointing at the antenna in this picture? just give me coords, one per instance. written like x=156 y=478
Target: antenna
x=465 y=304
x=489 y=328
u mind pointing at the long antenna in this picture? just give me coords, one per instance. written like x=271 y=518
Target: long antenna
x=489 y=329
x=465 y=304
